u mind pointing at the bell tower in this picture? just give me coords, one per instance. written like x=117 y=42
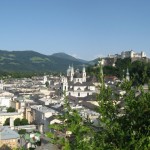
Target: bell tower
x=71 y=73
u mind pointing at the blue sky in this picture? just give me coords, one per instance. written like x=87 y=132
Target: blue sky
x=83 y=28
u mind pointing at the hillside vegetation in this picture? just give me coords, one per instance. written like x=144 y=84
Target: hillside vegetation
x=139 y=70
x=31 y=61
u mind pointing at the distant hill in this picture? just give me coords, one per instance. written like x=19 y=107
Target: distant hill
x=93 y=62
x=64 y=56
x=69 y=57
x=34 y=61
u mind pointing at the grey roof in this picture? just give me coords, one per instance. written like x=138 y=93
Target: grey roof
x=77 y=75
x=6 y=133
x=44 y=109
x=87 y=98
x=92 y=79
x=78 y=84
x=83 y=84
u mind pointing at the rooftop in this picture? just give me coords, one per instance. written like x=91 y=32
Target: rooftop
x=9 y=113
x=6 y=133
x=43 y=109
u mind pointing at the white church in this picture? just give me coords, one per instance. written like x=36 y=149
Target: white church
x=75 y=84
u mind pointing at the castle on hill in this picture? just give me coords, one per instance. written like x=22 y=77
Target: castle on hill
x=128 y=54
x=111 y=59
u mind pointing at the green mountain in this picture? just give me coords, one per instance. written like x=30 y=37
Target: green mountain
x=69 y=57
x=64 y=56
x=93 y=62
x=34 y=61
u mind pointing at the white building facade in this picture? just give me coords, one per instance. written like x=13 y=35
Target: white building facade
x=75 y=84
x=129 y=54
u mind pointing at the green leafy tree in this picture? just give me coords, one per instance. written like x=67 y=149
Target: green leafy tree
x=123 y=129
x=140 y=71
x=47 y=84
x=24 y=122
x=22 y=131
x=17 y=122
x=122 y=65
x=10 y=109
x=124 y=121
x=7 y=122
x=79 y=129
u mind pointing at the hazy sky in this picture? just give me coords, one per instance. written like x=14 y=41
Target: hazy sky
x=82 y=28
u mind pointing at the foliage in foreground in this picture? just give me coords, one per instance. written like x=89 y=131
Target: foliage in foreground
x=73 y=133
x=127 y=128
x=119 y=129
x=124 y=122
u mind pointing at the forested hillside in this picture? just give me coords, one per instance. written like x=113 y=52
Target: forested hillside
x=31 y=61
x=139 y=70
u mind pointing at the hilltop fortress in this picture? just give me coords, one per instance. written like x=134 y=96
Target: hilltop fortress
x=111 y=59
x=128 y=54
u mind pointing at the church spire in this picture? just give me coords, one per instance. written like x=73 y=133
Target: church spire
x=83 y=70
x=84 y=74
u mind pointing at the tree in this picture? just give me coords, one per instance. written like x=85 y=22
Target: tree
x=47 y=84
x=7 y=122
x=74 y=133
x=121 y=65
x=124 y=121
x=140 y=72
x=10 y=109
x=123 y=129
x=22 y=131
x=17 y=122
x=24 y=122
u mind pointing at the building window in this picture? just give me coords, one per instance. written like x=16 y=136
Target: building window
x=78 y=94
x=87 y=94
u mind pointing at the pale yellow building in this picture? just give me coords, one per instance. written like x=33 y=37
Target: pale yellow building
x=28 y=114
x=8 y=137
x=15 y=104
x=13 y=115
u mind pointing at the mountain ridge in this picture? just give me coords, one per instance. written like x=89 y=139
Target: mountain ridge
x=29 y=60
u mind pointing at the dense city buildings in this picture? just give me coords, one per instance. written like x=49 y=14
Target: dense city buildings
x=28 y=106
